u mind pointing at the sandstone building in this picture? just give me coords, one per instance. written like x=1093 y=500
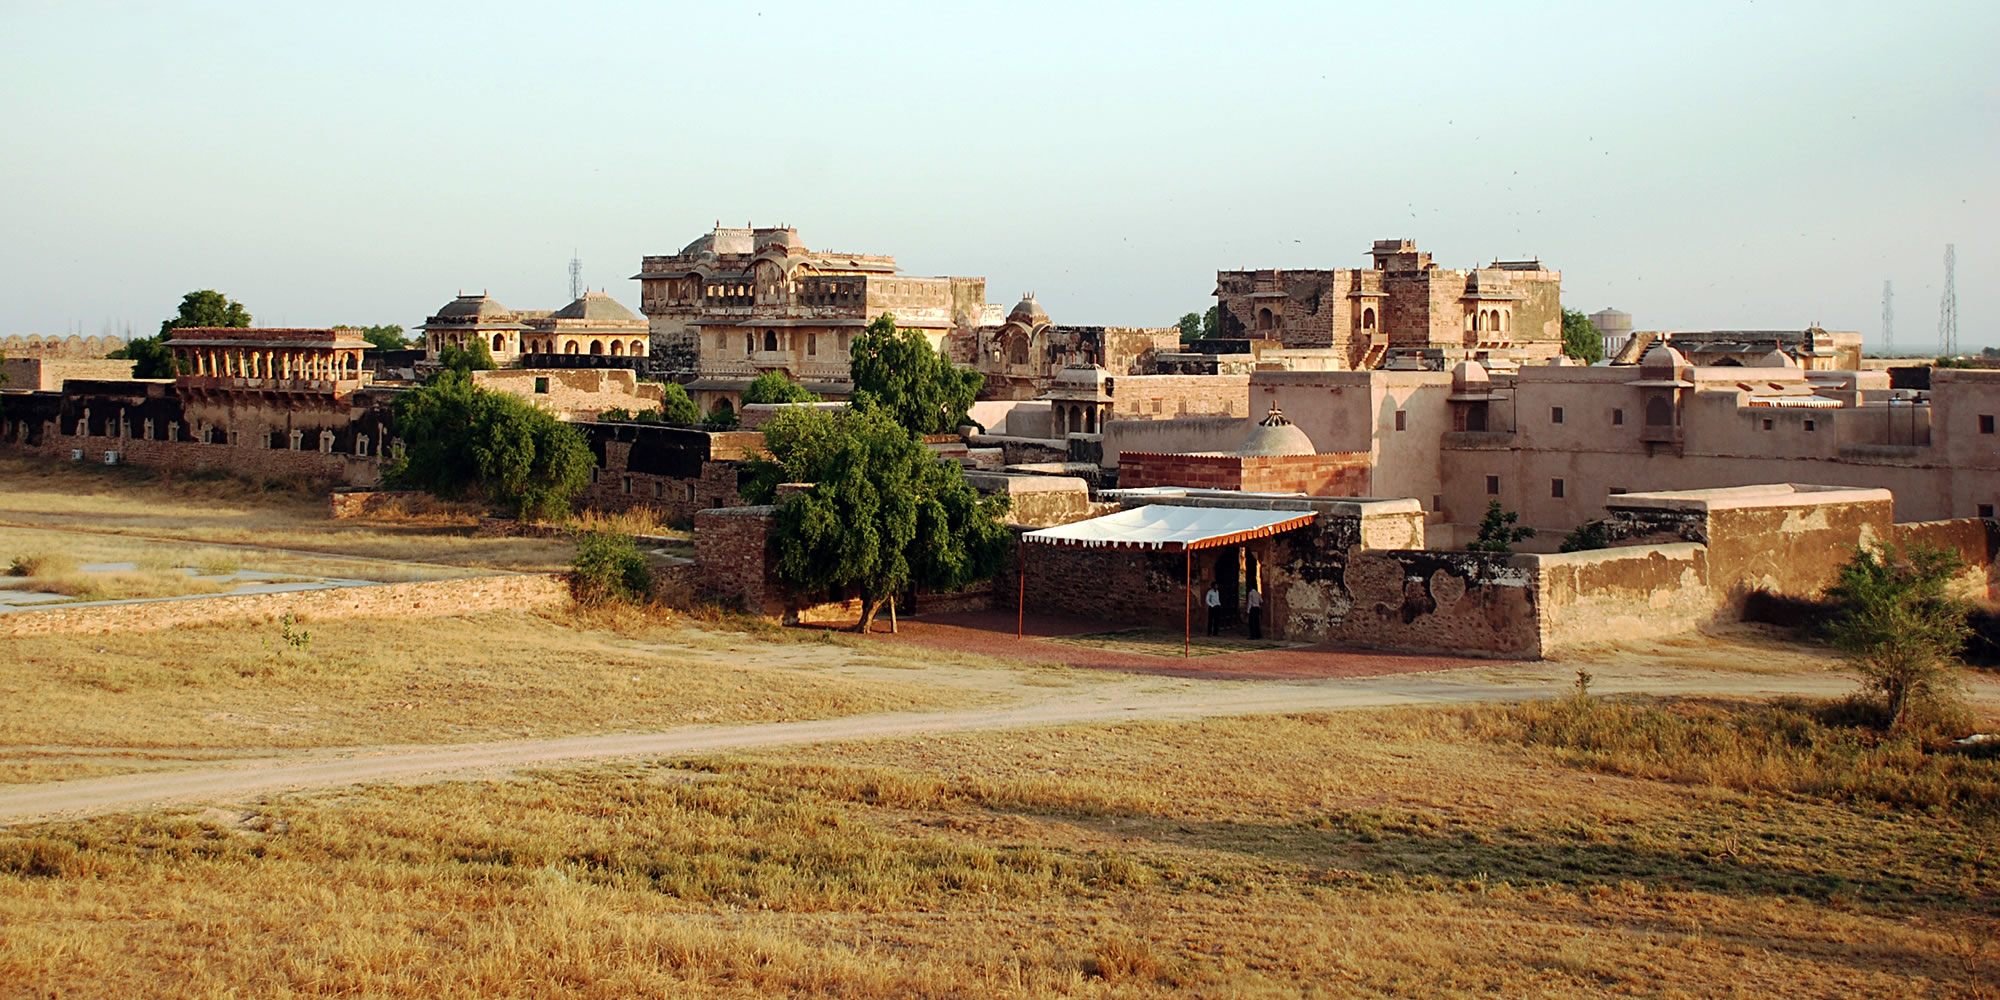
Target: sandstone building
x=1021 y=357
x=736 y=303
x=593 y=326
x=1404 y=306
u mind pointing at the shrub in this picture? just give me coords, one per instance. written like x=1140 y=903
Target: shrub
x=722 y=416
x=608 y=569
x=1901 y=629
x=1498 y=531
x=42 y=564
x=777 y=387
x=1588 y=535
x=677 y=407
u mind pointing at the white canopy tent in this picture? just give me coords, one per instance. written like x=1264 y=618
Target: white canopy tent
x=1167 y=528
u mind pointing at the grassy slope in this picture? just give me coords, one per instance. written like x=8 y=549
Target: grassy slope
x=1392 y=853
x=365 y=681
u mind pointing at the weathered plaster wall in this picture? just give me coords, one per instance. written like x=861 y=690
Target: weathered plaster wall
x=1621 y=593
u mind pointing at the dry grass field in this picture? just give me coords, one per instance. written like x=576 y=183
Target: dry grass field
x=91 y=704
x=1551 y=850
x=130 y=501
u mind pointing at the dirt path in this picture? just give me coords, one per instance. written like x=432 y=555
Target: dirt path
x=1123 y=699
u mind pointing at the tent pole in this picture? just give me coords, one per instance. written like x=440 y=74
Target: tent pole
x=1187 y=600
x=1021 y=602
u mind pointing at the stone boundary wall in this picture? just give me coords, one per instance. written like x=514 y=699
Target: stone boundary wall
x=49 y=374
x=1339 y=474
x=1976 y=540
x=420 y=599
x=1630 y=592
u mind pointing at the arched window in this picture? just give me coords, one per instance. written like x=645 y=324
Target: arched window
x=499 y=342
x=597 y=347
x=1263 y=319
x=569 y=347
x=1659 y=412
x=1090 y=420
x=770 y=340
x=1017 y=351
x=1506 y=320
x=1479 y=321
x=637 y=349
x=617 y=348
x=1076 y=419
x=749 y=343
x=1368 y=319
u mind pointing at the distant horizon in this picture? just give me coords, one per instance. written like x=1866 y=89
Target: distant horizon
x=1723 y=165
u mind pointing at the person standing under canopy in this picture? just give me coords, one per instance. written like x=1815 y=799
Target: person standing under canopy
x=1214 y=602
x=1255 y=602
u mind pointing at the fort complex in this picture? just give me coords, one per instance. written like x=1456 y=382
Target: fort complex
x=1387 y=407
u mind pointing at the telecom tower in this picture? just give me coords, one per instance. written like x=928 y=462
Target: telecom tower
x=1948 y=305
x=575 y=276
x=1889 y=318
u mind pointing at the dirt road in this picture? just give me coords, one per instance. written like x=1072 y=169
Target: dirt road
x=1117 y=700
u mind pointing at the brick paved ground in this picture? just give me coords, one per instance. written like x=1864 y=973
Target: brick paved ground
x=992 y=633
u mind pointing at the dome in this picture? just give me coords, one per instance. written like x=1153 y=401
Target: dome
x=1028 y=312
x=474 y=307
x=1775 y=359
x=598 y=307
x=1663 y=358
x=1274 y=436
x=1469 y=376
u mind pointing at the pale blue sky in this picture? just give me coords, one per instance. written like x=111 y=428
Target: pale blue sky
x=1699 y=165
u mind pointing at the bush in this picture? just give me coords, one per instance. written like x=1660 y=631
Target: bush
x=459 y=437
x=721 y=417
x=1587 y=536
x=609 y=569
x=1498 y=531
x=677 y=407
x=776 y=387
x=1901 y=628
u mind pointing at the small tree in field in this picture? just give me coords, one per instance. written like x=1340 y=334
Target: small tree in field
x=1498 y=531
x=1900 y=626
x=883 y=513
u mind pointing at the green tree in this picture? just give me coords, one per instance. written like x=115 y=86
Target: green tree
x=776 y=387
x=460 y=439
x=207 y=307
x=1211 y=323
x=1190 y=325
x=388 y=337
x=883 y=514
x=676 y=407
x=476 y=358
x=918 y=388
x=1498 y=531
x=150 y=357
x=1900 y=626
x=1580 y=339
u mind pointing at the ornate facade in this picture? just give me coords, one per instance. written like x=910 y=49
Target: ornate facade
x=736 y=303
x=1405 y=306
x=1021 y=358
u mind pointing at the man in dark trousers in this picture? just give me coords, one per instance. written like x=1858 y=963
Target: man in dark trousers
x=1256 y=606
x=1214 y=602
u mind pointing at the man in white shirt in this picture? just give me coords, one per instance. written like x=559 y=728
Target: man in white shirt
x=1256 y=605
x=1214 y=602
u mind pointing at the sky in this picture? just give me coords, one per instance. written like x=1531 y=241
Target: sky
x=1726 y=165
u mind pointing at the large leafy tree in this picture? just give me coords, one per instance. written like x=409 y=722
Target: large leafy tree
x=387 y=337
x=474 y=358
x=883 y=513
x=777 y=387
x=459 y=439
x=915 y=385
x=1900 y=626
x=150 y=355
x=1190 y=325
x=1580 y=339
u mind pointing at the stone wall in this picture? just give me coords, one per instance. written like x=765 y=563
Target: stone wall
x=1976 y=542
x=1621 y=593
x=1166 y=437
x=1036 y=501
x=737 y=564
x=48 y=374
x=422 y=599
x=1164 y=397
x=574 y=393
x=1342 y=475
